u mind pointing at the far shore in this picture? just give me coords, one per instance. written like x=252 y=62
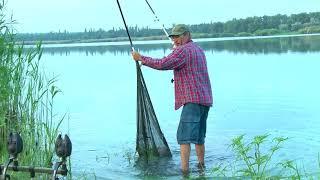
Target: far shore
x=73 y=41
x=158 y=39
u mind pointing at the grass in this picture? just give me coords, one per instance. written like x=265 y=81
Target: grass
x=26 y=100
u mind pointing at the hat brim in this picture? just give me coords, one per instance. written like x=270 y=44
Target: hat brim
x=175 y=34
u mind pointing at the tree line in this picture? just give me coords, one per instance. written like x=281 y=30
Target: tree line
x=261 y=26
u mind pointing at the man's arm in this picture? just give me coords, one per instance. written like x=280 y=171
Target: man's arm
x=174 y=60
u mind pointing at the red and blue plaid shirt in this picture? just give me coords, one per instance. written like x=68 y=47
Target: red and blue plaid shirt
x=191 y=79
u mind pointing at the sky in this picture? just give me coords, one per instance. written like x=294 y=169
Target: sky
x=43 y=16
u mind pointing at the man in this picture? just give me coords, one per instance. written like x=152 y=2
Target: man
x=192 y=91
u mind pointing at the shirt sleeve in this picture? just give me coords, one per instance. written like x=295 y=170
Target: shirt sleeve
x=175 y=60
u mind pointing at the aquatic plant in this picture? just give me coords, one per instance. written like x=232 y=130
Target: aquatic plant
x=254 y=160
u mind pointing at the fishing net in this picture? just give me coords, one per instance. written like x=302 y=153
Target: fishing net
x=150 y=141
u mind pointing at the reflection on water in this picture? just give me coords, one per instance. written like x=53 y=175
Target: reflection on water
x=250 y=46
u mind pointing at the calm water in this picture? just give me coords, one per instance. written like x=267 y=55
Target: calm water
x=259 y=86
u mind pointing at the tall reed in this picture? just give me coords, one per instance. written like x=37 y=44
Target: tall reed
x=26 y=99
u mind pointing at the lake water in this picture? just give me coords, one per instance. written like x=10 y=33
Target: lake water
x=260 y=86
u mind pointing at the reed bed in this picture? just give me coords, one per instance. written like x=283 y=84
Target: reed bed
x=26 y=100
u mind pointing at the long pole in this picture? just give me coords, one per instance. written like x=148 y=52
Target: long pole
x=125 y=24
x=158 y=20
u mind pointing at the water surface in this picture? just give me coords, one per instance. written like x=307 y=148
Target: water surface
x=259 y=85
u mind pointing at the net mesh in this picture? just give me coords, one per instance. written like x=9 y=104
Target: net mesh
x=150 y=141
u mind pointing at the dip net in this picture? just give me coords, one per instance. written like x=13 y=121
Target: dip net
x=150 y=141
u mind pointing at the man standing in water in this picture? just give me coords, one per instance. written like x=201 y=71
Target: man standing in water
x=192 y=91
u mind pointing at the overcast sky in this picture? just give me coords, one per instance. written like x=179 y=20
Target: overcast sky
x=76 y=15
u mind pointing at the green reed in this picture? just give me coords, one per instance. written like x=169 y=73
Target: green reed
x=26 y=99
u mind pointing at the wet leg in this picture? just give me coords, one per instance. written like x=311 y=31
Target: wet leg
x=185 y=155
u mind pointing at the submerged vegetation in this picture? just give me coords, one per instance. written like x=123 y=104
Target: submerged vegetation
x=303 y=23
x=26 y=101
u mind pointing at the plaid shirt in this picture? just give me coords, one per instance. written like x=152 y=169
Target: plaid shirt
x=191 y=79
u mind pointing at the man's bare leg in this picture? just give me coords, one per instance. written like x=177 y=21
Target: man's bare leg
x=185 y=155
x=200 y=149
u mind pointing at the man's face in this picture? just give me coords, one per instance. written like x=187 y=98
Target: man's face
x=179 y=40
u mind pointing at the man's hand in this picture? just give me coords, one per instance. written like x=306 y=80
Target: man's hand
x=136 y=56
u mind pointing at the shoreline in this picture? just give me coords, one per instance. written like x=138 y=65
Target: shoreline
x=147 y=40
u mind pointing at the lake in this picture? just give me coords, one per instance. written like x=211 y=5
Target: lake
x=268 y=85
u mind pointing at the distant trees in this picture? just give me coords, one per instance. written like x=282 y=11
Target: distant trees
x=276 y=24
x=264 y=25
